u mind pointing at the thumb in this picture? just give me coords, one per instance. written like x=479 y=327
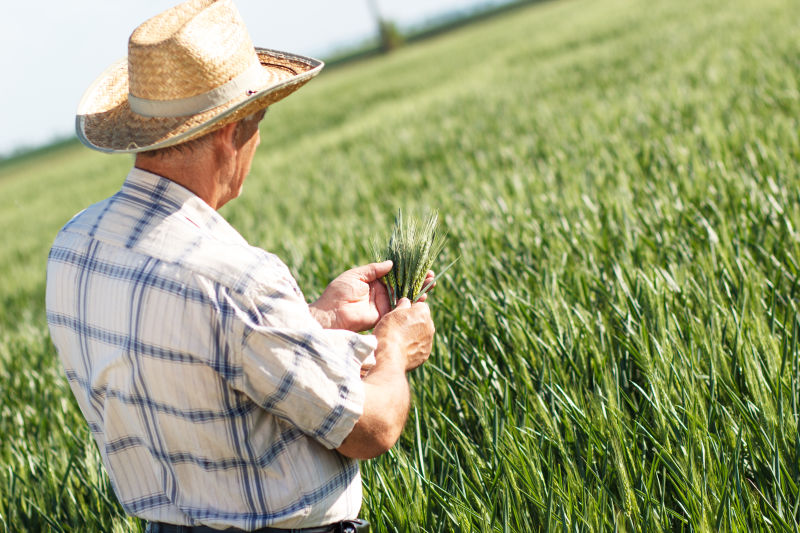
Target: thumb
x=403 y=303
x=371 y=272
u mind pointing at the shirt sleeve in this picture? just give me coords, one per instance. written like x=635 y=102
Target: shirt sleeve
x=300 y=372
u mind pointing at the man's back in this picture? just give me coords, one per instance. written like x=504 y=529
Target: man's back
x=163 y=316
x=217 y=395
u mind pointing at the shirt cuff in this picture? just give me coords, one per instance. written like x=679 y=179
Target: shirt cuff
x=351 y=393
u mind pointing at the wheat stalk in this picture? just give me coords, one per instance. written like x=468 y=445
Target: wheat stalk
x=413 y=248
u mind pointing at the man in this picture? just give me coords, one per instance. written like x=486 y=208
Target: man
x=217 y=396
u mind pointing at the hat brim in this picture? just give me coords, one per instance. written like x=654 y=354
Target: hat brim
x=105 y=121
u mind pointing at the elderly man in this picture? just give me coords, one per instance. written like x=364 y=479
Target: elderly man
x=219 y=399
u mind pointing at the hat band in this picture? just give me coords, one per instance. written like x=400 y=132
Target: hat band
x=245 y=82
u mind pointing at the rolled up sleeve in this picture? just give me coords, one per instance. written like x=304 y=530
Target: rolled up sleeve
x=300 y=372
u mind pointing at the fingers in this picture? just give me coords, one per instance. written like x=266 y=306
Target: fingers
x=428 y=285
x=379 y=296
x=373 y=271
x=403 y=303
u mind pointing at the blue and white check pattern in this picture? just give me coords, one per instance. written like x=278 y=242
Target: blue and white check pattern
x=214 y=396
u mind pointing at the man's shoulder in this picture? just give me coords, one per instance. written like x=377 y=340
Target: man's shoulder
x=177 y=253
x=245 y=270
x=187 y=238
x=83 y=220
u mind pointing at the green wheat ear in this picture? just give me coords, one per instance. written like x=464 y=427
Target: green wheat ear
x=413 y=247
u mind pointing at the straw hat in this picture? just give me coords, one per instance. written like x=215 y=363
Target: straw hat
x=190 y=70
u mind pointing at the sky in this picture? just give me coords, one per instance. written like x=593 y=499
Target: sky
x=51 y=51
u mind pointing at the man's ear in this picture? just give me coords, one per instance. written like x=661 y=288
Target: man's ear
x=226 y=138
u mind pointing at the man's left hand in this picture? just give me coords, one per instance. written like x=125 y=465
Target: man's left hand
x=355 y=300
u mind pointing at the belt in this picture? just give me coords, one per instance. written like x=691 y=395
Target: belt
x=345 y=526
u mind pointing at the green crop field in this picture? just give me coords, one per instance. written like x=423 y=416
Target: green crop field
x=617 y=347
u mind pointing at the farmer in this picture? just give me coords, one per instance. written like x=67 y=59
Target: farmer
x=218 y=397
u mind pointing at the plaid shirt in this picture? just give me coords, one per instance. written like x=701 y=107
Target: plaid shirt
x=213 y=395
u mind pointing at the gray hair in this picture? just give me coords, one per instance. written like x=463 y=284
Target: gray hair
x=193 y=145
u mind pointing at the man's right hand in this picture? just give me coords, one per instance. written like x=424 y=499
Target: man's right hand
x=406 y=332
x=405 y=338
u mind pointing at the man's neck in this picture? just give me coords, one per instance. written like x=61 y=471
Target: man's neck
x=190 y=172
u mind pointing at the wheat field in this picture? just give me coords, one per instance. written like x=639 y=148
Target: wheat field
x=617 y=346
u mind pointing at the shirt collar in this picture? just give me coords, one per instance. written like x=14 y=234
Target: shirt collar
x=157 y=189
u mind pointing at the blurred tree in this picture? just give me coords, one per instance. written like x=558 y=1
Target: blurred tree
x=390 y=36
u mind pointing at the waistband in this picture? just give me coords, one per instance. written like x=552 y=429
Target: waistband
x=357 y=525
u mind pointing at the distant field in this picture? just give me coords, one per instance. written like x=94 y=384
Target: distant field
x=617 y=348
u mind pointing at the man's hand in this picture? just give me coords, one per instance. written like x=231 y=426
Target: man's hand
x=405 y=338
x=355 y=300
x=406 y=332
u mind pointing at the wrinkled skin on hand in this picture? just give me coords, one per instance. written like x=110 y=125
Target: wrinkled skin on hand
x=408 y=328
